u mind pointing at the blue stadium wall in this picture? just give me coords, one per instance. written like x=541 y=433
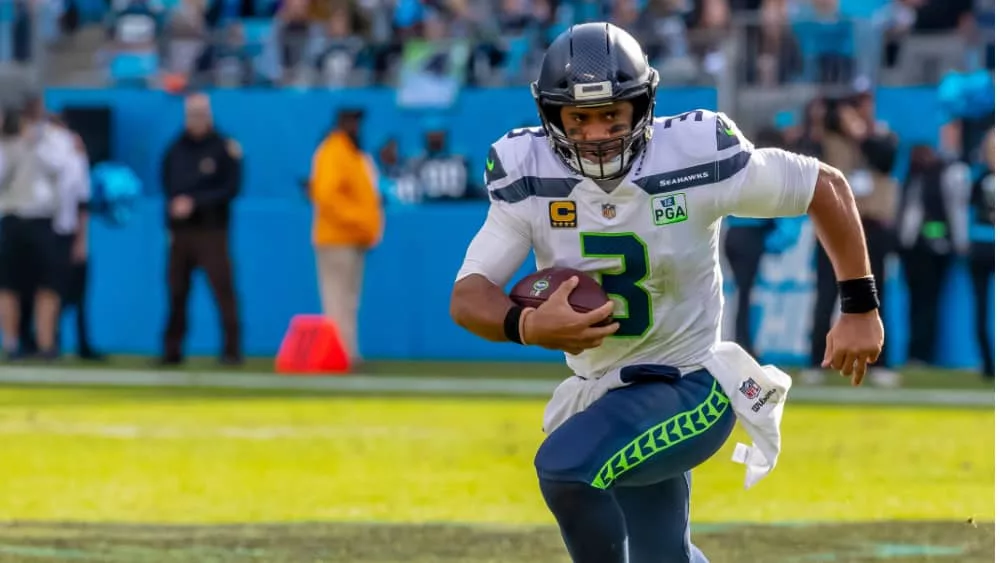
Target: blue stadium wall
x=404 y=312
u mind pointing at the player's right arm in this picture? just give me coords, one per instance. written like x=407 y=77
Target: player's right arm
x=480 y=305
x=478 y=301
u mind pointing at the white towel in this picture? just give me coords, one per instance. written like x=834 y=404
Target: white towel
x=757 y=395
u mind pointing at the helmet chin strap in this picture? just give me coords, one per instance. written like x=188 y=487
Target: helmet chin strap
x=594 y=168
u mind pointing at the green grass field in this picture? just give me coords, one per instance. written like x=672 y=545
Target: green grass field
x=916 y=378
x=163 y=475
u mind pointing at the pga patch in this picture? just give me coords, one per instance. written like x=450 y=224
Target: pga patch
x=669 y=209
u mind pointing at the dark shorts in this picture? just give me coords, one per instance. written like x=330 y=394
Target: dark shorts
x=32 y=256
x=655 y=429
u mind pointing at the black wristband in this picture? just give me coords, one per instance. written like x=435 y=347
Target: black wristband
x=858 y=295
x=512 y=324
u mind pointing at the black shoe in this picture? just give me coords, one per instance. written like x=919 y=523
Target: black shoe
x=13 y=356
x=47 y=356
x=231 y=361
x=90 y=355
x=168 y=362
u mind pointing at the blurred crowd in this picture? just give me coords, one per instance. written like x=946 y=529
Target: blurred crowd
x=338 y=43
x=928 y=204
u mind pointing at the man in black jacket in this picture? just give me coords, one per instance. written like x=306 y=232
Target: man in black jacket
x=201 y=176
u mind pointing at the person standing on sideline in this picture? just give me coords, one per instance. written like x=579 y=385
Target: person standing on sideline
x=37 y=162
x=978 y=201
x=70 y=224
x=347 y=223
x=202 y=172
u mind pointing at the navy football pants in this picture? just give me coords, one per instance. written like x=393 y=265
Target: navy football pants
x=633 y=449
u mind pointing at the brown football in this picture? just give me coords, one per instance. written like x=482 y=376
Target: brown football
x=535 y=289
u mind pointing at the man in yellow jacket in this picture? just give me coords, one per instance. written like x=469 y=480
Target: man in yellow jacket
x=347 y=223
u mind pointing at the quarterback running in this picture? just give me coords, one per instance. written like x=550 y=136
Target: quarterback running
x=636 y=201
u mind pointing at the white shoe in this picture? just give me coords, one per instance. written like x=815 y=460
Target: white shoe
x=885 y=378
x=812 y=377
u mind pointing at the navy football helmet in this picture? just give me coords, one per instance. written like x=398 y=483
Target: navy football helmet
x=592 y=65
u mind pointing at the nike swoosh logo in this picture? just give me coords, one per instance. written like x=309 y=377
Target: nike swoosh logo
x=730 y=132
x=489 y=165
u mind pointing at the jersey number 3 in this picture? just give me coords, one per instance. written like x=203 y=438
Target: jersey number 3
x=624 y=282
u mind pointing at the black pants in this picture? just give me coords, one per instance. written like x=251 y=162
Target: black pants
x=880 y=243
x=982 y=267
x=924 y=272
x=207 y=249
x=744 y=248
x=32 y=258
x=73 y=295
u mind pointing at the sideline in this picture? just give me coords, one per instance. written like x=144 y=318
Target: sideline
x=375 y=384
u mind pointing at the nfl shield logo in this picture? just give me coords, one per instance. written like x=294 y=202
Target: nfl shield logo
x=608 y=210
x=750 y=389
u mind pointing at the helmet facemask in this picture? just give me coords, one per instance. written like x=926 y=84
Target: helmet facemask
x=605 y=159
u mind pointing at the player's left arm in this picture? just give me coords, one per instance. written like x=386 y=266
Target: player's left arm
x=778 y=183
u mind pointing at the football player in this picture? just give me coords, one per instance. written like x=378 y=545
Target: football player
x=606 y=188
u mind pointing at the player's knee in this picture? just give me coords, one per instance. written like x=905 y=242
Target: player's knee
x=558 y=459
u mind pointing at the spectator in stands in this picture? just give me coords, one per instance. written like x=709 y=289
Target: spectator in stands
x=515 y=18
x=22 y=30
x=202 y=173
x=134 y=26
x=772 y=52
x=347 y=222
x=930 y=221
x=133 y=29
x=441 y=174
x=228 y=61
x=893 y=22
x=983 y=40
x=828 y=41
x=223 y=13
x=625 y=14
x=709 y=25
x=663 y=26
x=807 y=139
x=937 y=16
x=293 y=29
x=341 y=53
x=187 y=37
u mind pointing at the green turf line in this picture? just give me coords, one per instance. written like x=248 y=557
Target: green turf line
x=916 y=378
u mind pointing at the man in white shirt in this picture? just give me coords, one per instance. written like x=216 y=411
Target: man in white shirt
x=70 y=225
x=36 y=168
x=605 y=188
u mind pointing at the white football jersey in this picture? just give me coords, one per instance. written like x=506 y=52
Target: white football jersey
x=652 y=242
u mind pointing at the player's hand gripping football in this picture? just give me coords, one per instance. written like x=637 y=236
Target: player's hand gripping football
x=555 y=325
x=854 y=342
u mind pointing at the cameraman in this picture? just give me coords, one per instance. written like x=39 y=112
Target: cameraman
x=34 y=165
